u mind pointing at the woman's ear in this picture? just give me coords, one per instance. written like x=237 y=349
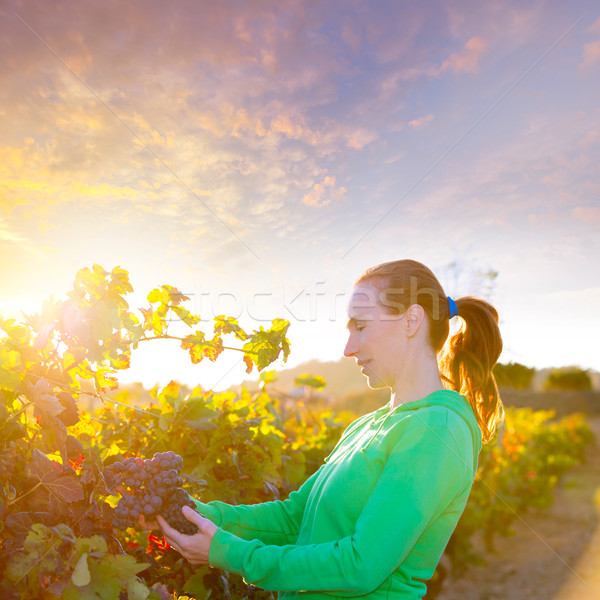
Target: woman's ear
x=415 y=315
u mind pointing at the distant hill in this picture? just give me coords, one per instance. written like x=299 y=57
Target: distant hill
x=347 y=389
x=346 y=386
x=343 y=377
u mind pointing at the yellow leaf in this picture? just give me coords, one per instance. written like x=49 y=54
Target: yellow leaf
x=81 y=574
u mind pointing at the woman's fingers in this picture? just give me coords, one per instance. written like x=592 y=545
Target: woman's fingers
x=148 y=525
x=194 y=548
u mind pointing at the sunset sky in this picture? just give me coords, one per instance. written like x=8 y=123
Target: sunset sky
x=259 y=155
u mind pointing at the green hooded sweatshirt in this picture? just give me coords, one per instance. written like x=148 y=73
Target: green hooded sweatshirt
x=373 y=521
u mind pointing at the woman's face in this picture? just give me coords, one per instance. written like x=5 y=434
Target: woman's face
x=376 y=339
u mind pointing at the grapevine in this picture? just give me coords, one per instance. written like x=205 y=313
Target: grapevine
x=63 y=468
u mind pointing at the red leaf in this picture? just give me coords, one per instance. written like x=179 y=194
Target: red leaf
x=19 y=523
x=41 y=467
x=44 y=401
x=66 y=487
x=70 y=414
x=63 y=486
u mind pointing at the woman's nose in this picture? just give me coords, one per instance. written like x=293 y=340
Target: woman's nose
x=349 y=350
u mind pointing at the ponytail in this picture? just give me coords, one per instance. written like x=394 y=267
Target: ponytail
x=468 y=357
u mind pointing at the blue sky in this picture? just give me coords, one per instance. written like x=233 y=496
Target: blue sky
x=259 y=155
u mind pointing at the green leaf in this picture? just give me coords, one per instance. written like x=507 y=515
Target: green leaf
x=136 y=590
x=104 y=583
x=95 y=544
x=314 y=381
x=268 y=377
x=124 y=566
x=264 y=347
x=10 y=368
x=186 y=316
x=197 y=409
x=226 y=325
x=104 y=381
x=195 y=585
x=120 y=280
x=92 y=281
x=81 y=574
x=19 y=565
x=75 y=593
x=169 y=395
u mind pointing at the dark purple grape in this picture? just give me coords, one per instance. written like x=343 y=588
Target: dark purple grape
x=155 y=486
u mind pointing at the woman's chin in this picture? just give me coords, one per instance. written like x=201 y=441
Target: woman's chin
x=374 y=382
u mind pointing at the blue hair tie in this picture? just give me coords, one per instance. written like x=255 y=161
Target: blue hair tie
x=453 y=310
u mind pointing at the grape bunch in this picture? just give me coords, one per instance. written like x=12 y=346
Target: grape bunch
x=154 y=488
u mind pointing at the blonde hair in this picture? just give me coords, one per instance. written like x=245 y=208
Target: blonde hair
x=466 y=359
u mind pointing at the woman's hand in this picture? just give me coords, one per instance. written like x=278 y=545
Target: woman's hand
x=194 y=548
x=147 y=525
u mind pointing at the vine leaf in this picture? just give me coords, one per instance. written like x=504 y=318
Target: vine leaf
x=314 y=381
x=195 y=585
x=225 y=324
x=54 y=433
x=124 y=566
x=49 y=473
x=70 y=415
x=66 y=487
x=200 y=348
x=44 y=401
x=41 y=467
x=264 y=346
x=136 y=590
x=20 y=523
x=81 y=574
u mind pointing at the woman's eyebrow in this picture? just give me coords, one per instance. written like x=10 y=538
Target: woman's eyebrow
x=354 y=321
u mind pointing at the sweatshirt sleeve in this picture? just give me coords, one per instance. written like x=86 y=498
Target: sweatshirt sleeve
x=276 y=522
x=425 y=470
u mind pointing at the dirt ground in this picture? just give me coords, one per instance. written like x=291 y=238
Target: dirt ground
x=554 y=554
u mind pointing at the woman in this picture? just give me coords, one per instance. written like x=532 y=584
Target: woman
x=374 y=520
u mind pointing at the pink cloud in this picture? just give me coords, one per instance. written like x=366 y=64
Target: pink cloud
x=467 y=60
x=595 y=27
x=421 y=122
x=591 y=55
x=323 y=193
x=589 y=215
